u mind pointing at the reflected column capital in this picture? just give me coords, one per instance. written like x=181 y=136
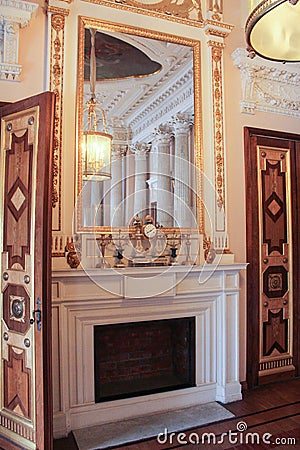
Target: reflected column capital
x=118 y=151
x=140 y=149
x=181 y=123
x=162 y=134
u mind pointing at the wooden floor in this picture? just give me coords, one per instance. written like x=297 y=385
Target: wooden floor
x=272 y=412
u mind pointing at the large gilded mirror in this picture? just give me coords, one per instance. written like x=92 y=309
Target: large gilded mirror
x=147 y=91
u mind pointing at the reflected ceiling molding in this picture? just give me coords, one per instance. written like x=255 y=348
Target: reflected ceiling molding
x=162 y=107
x=151 y=101
x=268 y=86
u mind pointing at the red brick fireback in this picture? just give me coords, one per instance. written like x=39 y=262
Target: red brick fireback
x=140 y=350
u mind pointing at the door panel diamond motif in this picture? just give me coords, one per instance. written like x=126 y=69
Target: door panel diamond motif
x=274 y=207
x=274 y=217
x=16 y=199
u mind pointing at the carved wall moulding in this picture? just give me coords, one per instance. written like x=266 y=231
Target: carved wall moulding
x=218 y=123
x=14 y=14
x=268 y=86
x=57 y=20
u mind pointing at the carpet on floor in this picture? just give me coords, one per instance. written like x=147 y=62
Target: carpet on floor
x=145 y=427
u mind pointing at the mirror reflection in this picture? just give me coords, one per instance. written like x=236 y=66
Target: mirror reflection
x=145 y=87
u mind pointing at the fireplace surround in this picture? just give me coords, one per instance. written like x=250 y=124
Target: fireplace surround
x=206 y=295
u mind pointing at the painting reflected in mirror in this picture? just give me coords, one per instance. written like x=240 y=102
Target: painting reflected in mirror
x=145 y=84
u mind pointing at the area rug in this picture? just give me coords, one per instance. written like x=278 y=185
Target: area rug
x=118 y=433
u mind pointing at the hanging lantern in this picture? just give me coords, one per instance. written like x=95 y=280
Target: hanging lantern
x=96 y=148
x=96 y=145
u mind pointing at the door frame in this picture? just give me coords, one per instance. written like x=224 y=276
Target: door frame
x=251 y=138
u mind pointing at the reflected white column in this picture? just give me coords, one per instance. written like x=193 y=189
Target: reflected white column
x=140 y=149
x=163 y=185
x=116 y=194
x=181 y=171
x=152 y=181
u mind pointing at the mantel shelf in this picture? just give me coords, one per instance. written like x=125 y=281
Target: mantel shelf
x=147 y=283
x=146 y=271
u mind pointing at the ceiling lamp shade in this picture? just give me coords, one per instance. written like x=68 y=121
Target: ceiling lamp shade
x=96 y=145
x=273 y=30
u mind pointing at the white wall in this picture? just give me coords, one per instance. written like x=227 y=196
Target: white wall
x=33 y=80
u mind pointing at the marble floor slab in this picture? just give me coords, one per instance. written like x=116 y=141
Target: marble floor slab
x=114 y=434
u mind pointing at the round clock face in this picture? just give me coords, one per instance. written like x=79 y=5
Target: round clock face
x=150 y=230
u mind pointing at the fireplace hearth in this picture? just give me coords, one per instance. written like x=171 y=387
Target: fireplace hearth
x=140 y=358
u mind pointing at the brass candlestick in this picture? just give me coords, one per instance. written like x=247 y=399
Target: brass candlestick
x=102 y=242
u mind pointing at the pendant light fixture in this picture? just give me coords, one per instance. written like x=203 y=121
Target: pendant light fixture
x=273 y=30
x=96 y=145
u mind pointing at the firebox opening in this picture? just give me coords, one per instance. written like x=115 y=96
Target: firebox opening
x=140 y=358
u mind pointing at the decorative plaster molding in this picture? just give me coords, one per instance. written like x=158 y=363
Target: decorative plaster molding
x=15 y=14
x=268 y=86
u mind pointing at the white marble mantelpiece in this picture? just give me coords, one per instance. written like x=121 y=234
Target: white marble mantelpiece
x=80 y=301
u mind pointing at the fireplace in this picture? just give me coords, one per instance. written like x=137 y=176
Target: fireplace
x=203 y=304
x=140 y=358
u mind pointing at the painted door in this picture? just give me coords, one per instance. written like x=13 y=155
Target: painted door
x=272 y=188
x=25 y=196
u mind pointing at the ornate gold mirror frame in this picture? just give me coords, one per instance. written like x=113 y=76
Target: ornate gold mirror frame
x=85 y=22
